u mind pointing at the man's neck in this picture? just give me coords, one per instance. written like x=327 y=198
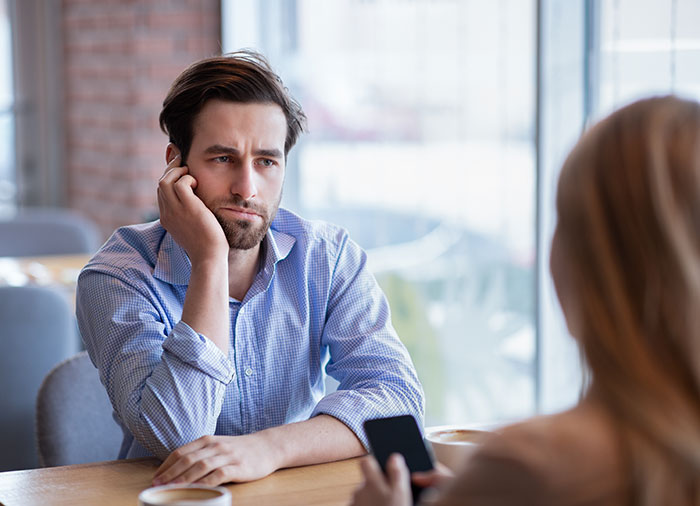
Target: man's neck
x=242 y=268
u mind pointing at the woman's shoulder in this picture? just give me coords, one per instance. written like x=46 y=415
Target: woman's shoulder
x=570 y=458
x=552 y=441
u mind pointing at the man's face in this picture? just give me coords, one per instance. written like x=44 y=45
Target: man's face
x=237 y=158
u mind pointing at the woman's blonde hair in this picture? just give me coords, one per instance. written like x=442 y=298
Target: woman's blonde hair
x=628 y=206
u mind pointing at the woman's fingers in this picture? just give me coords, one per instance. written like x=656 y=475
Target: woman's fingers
x=397 y=472
x=372 y=472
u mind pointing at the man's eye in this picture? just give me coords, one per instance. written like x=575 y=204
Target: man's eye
x=266 y=162
x=223 y=159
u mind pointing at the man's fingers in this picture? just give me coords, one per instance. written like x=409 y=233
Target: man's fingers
x=166 y=184
x=219 y=476
x=197 y=467
x=172 y=174
x=177 y=455
x=191 y=466
x=173 y=162
x=185 y=186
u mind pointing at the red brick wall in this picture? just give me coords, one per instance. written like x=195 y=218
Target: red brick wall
x=120 y=58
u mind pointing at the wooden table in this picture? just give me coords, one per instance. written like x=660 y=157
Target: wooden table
x=57 y=271
x=60 y=270
x=119 y=482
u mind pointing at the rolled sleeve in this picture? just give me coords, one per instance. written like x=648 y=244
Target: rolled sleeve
x=353 y=407
x=149 y=368
x=198 y=352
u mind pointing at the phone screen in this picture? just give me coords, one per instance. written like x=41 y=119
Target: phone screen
x=399 y=434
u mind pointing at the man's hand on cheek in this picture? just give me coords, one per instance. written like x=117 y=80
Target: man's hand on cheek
x=184 y=215
x=213 y=460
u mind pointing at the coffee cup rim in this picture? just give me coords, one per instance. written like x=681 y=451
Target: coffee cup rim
x=431 y=432
x=476 y=427
x=434 y=437
x=149 y=494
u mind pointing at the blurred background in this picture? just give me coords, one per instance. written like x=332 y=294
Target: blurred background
x=436 y=130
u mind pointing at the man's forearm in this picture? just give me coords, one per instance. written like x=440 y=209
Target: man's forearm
x=323 y=438
x=206 y=302
x=213 y=460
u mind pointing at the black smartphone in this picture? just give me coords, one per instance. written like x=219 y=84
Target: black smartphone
x=399 y=434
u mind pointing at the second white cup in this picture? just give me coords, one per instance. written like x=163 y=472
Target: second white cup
x=453 y=445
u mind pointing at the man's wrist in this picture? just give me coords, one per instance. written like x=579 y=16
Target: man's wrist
x=322 y=438
x=274 y=447
x=211 y=258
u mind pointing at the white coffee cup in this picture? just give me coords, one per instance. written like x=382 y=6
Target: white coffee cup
x=185 y=495
x=452 y=445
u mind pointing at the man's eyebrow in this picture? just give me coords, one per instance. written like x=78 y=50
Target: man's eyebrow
x=219 y=149
x=270 y=153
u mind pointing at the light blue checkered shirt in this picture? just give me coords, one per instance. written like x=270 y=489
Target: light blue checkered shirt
x=313 y=305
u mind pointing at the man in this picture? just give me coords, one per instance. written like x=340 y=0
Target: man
x=211 y=328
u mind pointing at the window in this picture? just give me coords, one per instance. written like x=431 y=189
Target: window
x=646 y=47
x=31 y=101
x=421 y=143
x=596 y=56
x=423 y=115
x=7 y=119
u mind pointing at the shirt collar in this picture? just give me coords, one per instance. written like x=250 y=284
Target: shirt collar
x=278 y=247
x=174 y=267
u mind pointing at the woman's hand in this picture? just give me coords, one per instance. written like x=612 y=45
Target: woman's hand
x=433 y=478
x=391 y=490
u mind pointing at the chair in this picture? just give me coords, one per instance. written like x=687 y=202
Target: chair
x=44 y=231
x=37 y=331
x=74 y=423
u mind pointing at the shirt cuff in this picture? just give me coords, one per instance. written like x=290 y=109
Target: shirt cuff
x=197 y=351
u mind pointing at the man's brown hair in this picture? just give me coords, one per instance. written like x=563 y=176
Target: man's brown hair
x=242 y=76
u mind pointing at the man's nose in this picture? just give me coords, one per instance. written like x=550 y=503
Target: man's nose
x=244 y=182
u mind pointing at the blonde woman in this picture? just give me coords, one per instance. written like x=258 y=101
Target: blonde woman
x=626 y=265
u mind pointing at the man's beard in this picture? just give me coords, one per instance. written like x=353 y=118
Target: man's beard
x=244 y=234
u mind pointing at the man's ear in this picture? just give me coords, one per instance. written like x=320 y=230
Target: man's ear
x=171 y=151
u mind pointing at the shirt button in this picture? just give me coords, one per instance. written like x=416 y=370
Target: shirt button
x=248 y=371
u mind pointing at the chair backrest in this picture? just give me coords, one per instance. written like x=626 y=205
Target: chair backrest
x=74 y=423
x=74 y=416
x=37 y=331
x=34 y=232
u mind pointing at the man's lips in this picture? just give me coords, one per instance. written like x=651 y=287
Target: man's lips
x=241 y=213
